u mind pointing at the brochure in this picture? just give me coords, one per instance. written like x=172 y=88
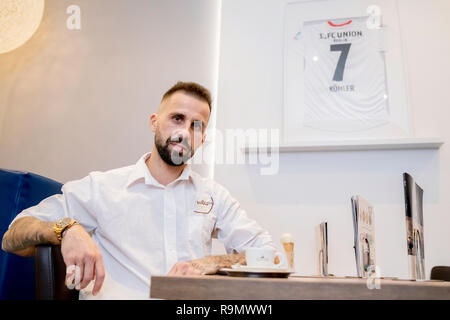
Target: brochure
x=414 y=227
x=364 y=236
x=323 y=248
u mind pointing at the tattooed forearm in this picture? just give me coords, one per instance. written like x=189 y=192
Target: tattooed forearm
x=211 y=264
x=27 y=232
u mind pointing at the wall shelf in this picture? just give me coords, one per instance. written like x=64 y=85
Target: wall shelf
x=355 y=145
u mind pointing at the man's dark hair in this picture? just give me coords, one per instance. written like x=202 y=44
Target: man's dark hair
x=190 y=88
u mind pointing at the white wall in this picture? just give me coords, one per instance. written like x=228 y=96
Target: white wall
x=74 y=101
x=313 y=187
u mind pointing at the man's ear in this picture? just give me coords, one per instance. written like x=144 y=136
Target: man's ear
x=153 y=123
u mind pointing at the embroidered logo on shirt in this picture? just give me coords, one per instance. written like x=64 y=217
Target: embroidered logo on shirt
x=204 y=204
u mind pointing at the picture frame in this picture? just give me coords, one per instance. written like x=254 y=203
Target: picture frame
x=398 y=123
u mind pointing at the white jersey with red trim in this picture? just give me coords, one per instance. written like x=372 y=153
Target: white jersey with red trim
x=344 y=75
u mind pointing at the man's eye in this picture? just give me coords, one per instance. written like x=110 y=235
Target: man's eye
x=177 y=118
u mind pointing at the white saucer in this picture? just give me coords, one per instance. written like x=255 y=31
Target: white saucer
x=258 y=269
x=256 y=272
x=248 y=272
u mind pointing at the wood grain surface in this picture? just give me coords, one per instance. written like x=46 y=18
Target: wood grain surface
x=293 y=288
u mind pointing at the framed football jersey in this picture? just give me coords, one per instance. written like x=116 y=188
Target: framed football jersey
x=343 y=71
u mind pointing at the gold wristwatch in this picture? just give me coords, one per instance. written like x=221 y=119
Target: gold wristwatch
x=61 y=225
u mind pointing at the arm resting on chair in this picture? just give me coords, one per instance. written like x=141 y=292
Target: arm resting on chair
x=27 y=232
x=78 y=248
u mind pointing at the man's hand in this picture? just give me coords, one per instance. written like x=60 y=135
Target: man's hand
x=207 y=265
x=191 y=268
x=82 y=256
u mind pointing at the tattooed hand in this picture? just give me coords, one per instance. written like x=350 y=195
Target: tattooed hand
x=207 y=265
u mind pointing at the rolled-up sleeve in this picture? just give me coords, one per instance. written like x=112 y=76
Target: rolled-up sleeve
x=77 y=201
x=235 y=229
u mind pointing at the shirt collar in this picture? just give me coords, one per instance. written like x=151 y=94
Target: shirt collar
x=141 y=173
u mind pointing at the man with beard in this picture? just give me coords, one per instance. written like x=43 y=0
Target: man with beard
x=117 y=228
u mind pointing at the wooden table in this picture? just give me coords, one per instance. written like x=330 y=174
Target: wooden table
x=220 y=287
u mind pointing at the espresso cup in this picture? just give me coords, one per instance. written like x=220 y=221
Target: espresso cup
x=264 y=258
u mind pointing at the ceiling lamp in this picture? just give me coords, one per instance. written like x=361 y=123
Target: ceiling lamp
x=19 y=20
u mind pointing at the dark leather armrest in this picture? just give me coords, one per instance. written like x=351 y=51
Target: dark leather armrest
x=50 y=275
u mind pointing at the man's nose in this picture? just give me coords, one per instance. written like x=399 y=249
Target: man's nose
x=176 y=138
x=180 y=136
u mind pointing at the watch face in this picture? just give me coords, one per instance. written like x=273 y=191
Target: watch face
x=64 y=222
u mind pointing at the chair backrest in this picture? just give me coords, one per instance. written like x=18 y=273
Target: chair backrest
x=19 y=191
x=440 y=273
x=51 y=275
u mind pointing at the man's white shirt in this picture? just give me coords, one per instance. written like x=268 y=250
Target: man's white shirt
x=143 y=228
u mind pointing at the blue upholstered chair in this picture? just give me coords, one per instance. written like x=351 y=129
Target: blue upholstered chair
x=18 y=191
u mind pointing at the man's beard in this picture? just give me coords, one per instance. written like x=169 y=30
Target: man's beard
x=172 y=158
